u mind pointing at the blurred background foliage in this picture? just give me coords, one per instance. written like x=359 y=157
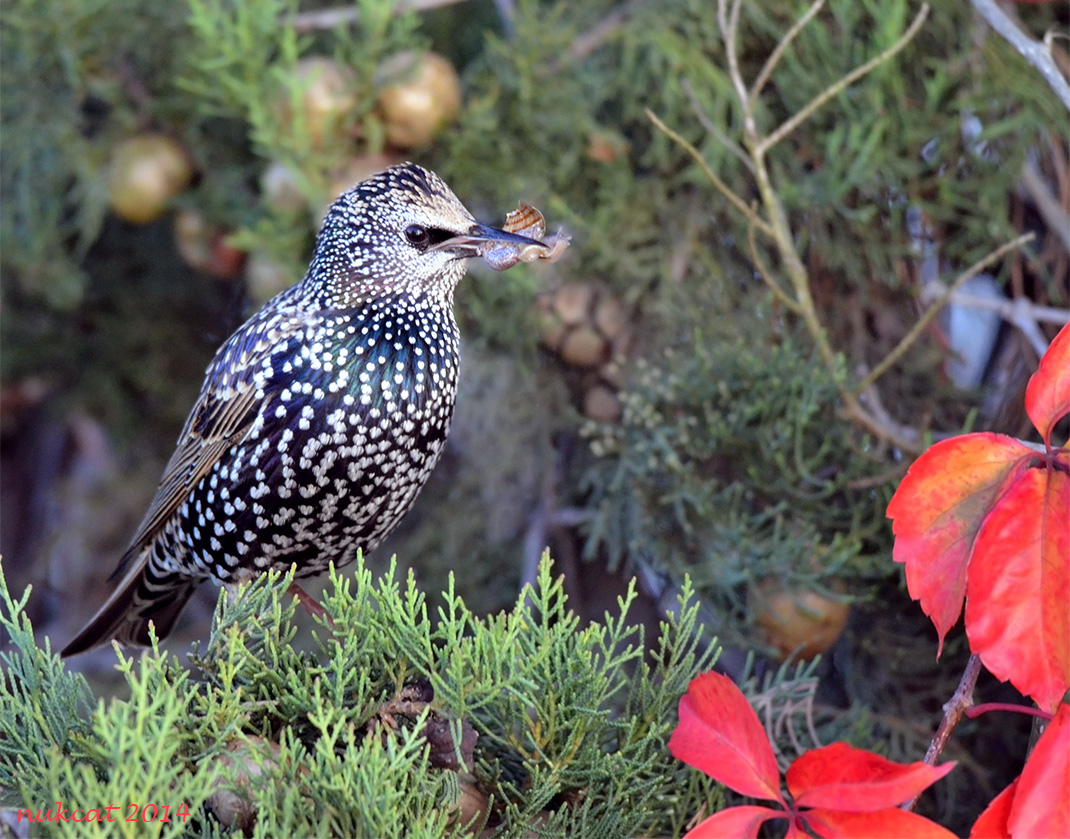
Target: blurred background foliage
x=644 y=405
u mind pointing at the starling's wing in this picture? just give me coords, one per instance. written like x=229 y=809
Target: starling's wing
x=224 y=413
x=145 y=593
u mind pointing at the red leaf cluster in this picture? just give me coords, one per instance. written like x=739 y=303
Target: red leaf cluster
x=835 y=791
x=985 y=519
x=1037 y=803
x=981 y=519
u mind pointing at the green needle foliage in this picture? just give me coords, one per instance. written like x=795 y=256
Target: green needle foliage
x=729 y=464
x=391 y=723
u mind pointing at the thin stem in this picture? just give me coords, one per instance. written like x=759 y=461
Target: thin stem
x=598 y=34
x=1057 y=219
x=986 y=707
x=774 y=57
x=1005 y=307
x=710 y=126
x=728 y=21
x=347 y=15
x=807 y=110
x=309 y=603
x=751 y=216
x=953 y=712
x=1031 y=50
x=926 y=318
x=789 y=256
x=901 y=437
x=789 y=303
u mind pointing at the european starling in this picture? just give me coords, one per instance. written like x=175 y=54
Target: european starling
x=321 y=418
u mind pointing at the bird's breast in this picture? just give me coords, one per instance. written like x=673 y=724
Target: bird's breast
x=390 y=359
x=353 y=417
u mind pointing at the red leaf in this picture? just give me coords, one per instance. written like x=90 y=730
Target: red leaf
x=1047 y=397
x=720 y=734
x=742 y=822
x=992 y=823
x=892 y=823
x=937 y=511
x=1042 y=803
x=1017 y=618
x=841 y=777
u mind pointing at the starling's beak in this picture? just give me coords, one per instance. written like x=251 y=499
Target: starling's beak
x=481 y=238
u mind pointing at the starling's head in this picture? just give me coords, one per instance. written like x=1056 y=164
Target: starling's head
x=401 y=231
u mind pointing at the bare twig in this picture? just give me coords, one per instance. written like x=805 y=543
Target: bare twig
x=867 y=408
x=310 y=604
x=804 y=113
x=953 y=712
x=801 y=302
x=758 y=145
x=587 y=42
x=1033 y=51
x=923 y=322
x=879 y=424
x=889 y=476
x=1021 y=311
x=1021 y=316
x=606 y=28
x=1047 y=204
x=786 y=299
x=774 y=57
x=751 y=216
x=346 y=15
x=728 y=21
x=792 y=262
x=800 y=299
x=712 y=127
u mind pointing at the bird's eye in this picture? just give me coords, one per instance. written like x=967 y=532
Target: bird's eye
x=420 y=237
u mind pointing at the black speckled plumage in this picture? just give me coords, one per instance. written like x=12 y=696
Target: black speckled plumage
x=321 y=418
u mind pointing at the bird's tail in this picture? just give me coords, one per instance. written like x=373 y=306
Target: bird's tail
x=143 y=595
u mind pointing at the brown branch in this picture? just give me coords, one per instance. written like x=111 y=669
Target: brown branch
x=774 y=57
x=790 y=303
x=1006 y=307
x=1033 y=51
x=728 y=22
x=923 y=322
x=953 y=713
x=1020 y=311
x=345 y=16
x=606 y=28
x=751 y=216
x=889 y=476
x=804 y=113
x=711 y=126
x=1057 y=219
x=881 y=426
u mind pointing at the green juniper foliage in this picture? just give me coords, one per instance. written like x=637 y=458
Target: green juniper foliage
x=216 y=74
x=63 y=100
x=729 y=464
x=572 y=720
x=44 y=705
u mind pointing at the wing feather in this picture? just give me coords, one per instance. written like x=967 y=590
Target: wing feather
x=225 y=411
